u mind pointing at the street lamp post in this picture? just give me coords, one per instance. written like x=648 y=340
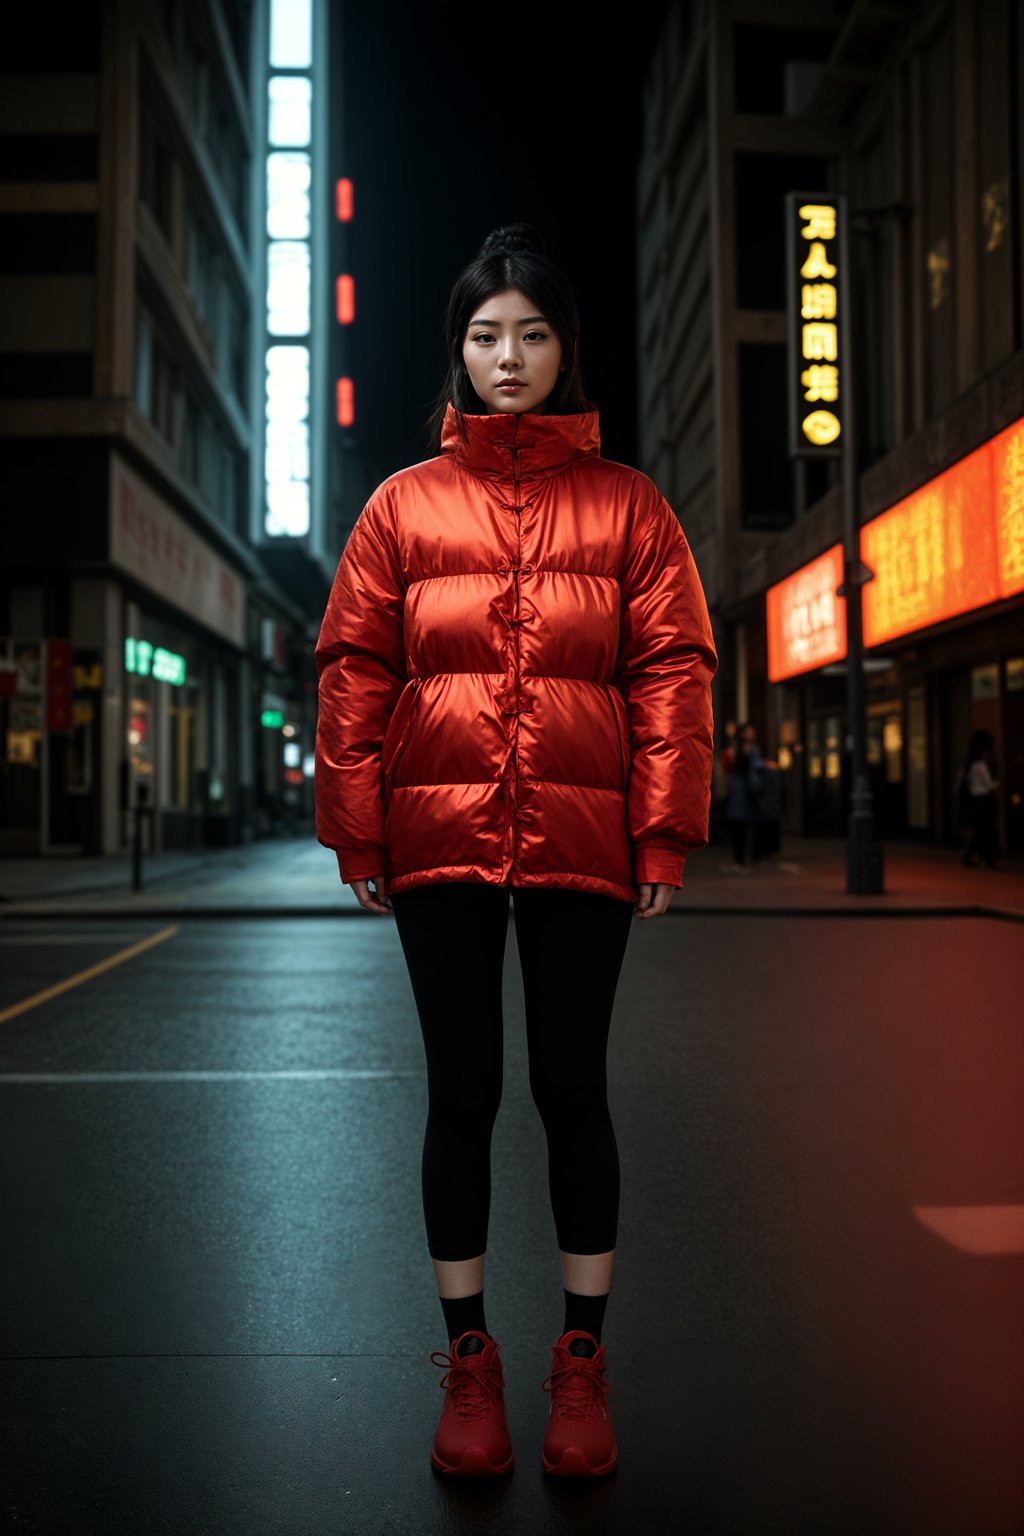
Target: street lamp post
x=864 y=863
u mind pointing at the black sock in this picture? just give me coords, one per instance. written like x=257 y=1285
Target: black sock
x=462 y=1313
x=585 y=1312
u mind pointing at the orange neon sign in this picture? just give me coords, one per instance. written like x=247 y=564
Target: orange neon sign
x=343 y=198
x=346 y=299
x=345 y=402
x=806 y=620
x=952 y=546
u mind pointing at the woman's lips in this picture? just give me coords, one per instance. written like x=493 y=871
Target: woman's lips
x=511 y=388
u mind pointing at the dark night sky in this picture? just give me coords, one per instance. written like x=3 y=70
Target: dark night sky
x=435 y=168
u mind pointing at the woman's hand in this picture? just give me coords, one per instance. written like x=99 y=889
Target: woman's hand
x=375 y=902
x=654 y=900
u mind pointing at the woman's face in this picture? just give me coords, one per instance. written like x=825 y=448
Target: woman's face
x=508 y=339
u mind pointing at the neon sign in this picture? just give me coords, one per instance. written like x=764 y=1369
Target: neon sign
x=147 y=660
x=806 y=620
x=815 y=343
x=289 y=166
x=955 y=544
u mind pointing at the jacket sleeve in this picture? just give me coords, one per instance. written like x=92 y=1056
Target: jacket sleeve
x=665 y=664
x=360 y=660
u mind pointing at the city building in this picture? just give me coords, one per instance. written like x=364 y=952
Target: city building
x=164 y=408
x=913 y=111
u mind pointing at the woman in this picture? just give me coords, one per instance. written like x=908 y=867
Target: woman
x=982 y=787
x=515 y=668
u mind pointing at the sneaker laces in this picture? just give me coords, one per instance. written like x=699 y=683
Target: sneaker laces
x=475 y=1389
x=580 y=1386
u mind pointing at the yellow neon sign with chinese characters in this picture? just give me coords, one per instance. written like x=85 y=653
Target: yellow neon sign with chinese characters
x=816 y=409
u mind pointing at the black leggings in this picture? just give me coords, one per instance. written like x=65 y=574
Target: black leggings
x=571 y=947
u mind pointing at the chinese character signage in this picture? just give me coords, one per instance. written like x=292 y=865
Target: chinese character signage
x=814 y=283
x=155 y=545
x=806 y=620
x=955 y=544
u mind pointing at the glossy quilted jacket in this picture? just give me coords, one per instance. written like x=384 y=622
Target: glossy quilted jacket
x=514 y=671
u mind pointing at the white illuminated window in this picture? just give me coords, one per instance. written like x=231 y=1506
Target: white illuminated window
x=287 y=440
x=291 y=34
x=288 y=183
x=290 y=104
x=287 y=455
x=290 y=150
x=288 y=508
x=288 y=288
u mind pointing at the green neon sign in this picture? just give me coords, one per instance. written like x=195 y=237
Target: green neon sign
x=272 y=718
x=147 y=660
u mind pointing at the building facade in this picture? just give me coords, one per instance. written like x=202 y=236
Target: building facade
x=913 y=111
x=155 y=634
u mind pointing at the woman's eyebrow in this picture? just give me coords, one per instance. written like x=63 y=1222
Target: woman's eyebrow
x=530 y=320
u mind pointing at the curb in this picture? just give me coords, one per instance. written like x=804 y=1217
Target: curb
x=90 y=913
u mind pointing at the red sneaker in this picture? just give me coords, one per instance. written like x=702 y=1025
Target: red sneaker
x=472 y=1437
x=580 y=1440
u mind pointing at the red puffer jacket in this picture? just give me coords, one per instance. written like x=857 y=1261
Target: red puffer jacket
x=515 y=668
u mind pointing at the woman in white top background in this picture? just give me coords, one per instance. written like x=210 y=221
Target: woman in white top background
x=981 y=787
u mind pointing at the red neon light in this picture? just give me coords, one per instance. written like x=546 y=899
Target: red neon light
x=346 y=403
x=806 y=620
x=343 y=199
x=346 y=299
x=955 y=544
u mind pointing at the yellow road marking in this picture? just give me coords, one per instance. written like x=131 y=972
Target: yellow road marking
x=93 y=970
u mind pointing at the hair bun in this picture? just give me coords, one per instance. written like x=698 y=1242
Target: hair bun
x=514 y=237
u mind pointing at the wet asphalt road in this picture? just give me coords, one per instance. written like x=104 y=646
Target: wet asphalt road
x=217 y=1306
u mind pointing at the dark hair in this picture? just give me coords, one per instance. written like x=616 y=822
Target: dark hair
x=513 y=256
x=981 y=742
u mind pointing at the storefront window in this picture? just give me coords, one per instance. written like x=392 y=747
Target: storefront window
x=892 y=748
x=917 y=759
x=833 y=766
x=182 y=716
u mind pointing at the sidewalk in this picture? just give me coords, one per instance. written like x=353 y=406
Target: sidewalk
x=294 y=876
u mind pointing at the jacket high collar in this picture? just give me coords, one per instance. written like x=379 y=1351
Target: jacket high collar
x=544 y=445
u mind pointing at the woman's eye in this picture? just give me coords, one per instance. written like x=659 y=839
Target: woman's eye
x=486 y=336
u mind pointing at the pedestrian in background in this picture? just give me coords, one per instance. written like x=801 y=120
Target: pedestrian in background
x=745 y=782
x=493 y=717
x=768 y=809
x=719 y=822
x=978 y=777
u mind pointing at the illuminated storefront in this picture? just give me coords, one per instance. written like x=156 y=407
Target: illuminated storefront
x=944 y=654
x=184 y=627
